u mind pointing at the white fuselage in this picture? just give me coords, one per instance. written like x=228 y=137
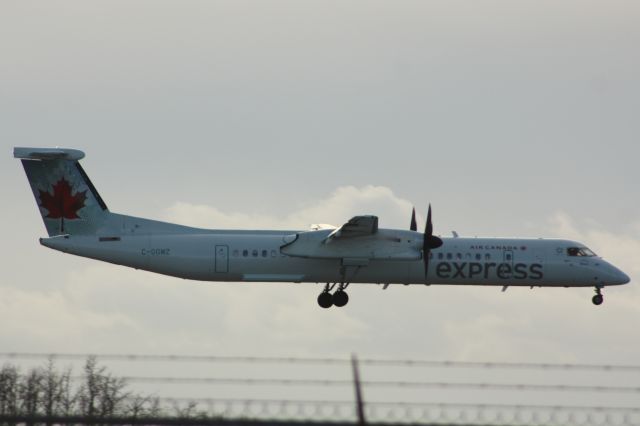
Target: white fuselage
x=266 y=256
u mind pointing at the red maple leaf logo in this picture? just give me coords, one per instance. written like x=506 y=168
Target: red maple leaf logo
x=62 y=204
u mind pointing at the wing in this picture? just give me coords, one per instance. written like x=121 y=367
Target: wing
x=357 y=226
x=359 y=240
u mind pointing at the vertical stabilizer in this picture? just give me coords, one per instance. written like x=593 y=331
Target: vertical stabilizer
x=68 y=201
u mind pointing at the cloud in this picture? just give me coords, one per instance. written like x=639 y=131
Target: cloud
x=336 y=209
x=51 y=319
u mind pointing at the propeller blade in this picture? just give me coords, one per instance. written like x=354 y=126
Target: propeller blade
x=429 y=242
x=414 y=224
x=428 y=229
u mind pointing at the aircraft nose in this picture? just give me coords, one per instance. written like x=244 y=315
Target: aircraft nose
x=622 y=278
x=611 y=275
x=617 y=277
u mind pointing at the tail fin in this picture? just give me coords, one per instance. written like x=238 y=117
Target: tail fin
x=68 y=201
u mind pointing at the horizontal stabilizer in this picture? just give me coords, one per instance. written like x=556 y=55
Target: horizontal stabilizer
x=47 y=153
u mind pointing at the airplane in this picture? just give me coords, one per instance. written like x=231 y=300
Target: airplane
x=78 y=222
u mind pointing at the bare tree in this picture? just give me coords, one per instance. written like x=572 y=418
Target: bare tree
x=89 y=391
x=9 y=394
x=49 y=392
x=188 y=411
x=30 y=392
x=155 y=410
x=112 y=395
x=142 y=406
x=68 y=400
x=101 y=394
x=56 y=391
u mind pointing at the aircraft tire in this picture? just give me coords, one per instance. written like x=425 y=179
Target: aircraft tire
x=340 y=298
x=325 y=300
x=597 y=299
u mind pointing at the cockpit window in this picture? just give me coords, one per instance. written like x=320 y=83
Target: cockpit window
x=580 y=252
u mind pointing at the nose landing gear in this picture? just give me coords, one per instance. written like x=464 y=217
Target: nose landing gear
x=338 y=299
x=598 y=298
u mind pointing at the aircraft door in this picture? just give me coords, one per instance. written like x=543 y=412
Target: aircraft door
x=222 y=259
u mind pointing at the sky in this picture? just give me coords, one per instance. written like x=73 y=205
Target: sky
x=513 y=118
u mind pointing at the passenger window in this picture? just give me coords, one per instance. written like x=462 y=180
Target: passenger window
x=478 y=256
x=254 y=253
x=430 y=255
x=458 y=256
x=449 y=256
x=440 y=256
x=487 y=256
x=508 y=256
x=245 y=253
x=264 y=253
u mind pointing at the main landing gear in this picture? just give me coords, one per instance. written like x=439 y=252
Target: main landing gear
x=339 y=298
x=598 y=298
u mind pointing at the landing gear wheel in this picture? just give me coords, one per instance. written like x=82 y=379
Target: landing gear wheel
x=340 y=298
x=598 y=298
x=325 y=300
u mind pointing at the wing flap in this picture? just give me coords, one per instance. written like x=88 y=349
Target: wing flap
x=357 y=226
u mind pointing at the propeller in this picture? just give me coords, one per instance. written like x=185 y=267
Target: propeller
x=414 y=224
x=429 y=242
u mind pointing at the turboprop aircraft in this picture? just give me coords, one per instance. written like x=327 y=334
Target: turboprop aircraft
x=79 y=222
